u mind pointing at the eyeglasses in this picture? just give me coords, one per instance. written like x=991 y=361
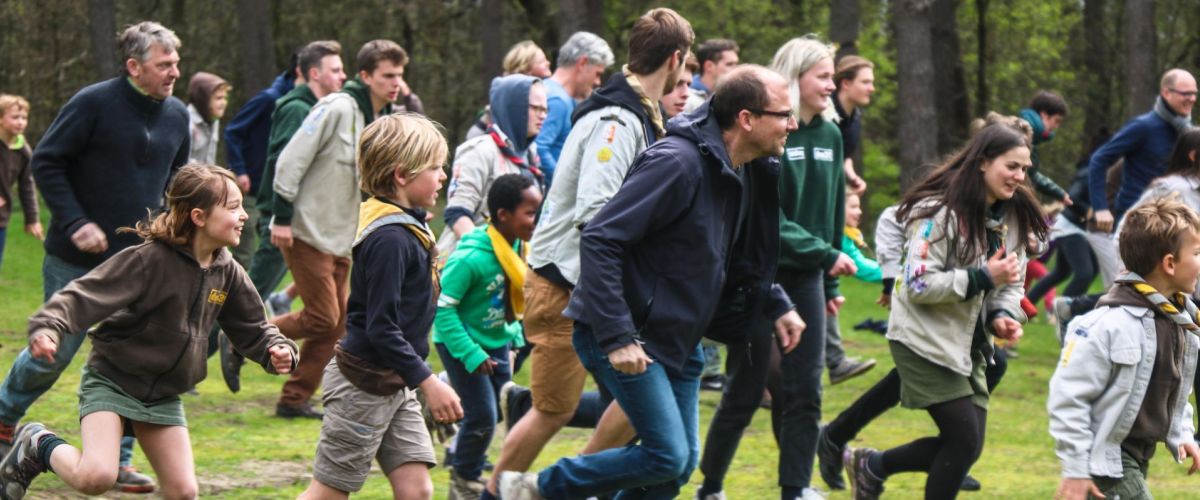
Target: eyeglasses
x=787 y=115
x=541 y=110
x=1191 y=94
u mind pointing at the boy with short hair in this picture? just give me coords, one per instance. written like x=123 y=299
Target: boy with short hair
x=14 y=167
x=1126 y=370
x=478 y=317
x=369 y=395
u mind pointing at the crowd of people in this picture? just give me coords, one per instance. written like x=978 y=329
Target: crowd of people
x=632 y=228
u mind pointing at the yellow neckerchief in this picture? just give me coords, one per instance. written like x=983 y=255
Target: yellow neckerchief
x=513 y=266
x=375 y=213
x=855 y=234
x=650 y=106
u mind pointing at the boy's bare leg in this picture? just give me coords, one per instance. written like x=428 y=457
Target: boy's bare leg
x=525 y=441
x=169 y=450
x=612 y=431
x=411 y=481
x=93 y=470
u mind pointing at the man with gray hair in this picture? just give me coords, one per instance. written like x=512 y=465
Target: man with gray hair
x=123 y=135
x=581 y=61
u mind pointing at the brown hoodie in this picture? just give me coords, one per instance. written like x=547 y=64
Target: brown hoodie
x=153 y=307
x=201 y=88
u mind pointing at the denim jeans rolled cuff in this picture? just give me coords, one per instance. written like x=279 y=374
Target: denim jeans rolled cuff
x=479 y=395
x=796 y=407
x=664 y=410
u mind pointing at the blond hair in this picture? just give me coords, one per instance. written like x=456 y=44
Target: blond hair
x=8 y=101
x=404 y=142
x=1155 y=229
x=520 y=57
x=1015 y=122
x=794 y=59
x=196 y=185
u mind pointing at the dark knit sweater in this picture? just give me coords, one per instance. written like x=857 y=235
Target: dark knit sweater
x=106 y=159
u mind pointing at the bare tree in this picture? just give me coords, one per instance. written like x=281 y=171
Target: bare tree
x=580 y=15
x=1141 y=48
x=102 y=30
x=1096 y=82
x=257 y=63
x=491 y=38
x=914 y=69
x=982 y=96
x=844 y=19
x=950 y=79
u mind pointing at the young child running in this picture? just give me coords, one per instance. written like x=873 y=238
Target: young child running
x=14 y=167
x=968 y=223
x=478 y=317
x=153 y=306
x=842 y=368
x=1122 y=383
x=371 y=408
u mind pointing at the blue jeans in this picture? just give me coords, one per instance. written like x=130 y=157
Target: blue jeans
x=796 y=407
x=479 y=395
x=664 y=409
x=3 y=236
x=29 y=378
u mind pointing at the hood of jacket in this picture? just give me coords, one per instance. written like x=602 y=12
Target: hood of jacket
x=201 y=88
x=477 y=239
x=362 y=95
x=283 y=83
x=300 y=93
x=1034 y=119
x=617 y=92
x=700 y=127
x=509 y=102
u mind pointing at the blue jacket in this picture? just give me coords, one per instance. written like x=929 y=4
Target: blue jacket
x=247 y=135
x=1145 y=143
x=659 y=263
x=555 y=129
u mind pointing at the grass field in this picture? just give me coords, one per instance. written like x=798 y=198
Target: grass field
x=242 y=451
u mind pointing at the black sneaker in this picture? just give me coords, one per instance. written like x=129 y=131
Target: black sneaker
x=970 y=484
x=231 y=363
x=21 y=464
x=303 y=410
x=712 y=383
x=863 y=484
x=829 y=458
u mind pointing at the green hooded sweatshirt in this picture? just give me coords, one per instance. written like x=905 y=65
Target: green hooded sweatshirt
x=289 y=114
x=470 y=311
x=812 y=200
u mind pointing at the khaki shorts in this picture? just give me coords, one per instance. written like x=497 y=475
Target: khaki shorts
x=555 y=376
x=359 y=426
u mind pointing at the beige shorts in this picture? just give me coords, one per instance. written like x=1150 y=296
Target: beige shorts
x=359 y=426
x=556 y=377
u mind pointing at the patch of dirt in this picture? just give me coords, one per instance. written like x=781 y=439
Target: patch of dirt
x=253 y=474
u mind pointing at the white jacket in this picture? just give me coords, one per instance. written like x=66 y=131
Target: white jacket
x=204 y=138
x=1097 y=390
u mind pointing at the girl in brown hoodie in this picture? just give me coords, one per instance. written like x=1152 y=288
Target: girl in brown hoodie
x=153 y=306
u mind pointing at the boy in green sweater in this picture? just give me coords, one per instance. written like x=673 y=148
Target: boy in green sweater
x=478 y=316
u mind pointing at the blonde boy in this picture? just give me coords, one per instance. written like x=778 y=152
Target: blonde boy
x=1122 y=383
x=370 y=384
x=14 y=167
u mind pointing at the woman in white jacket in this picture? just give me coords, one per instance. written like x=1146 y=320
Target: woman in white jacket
x=961 y=283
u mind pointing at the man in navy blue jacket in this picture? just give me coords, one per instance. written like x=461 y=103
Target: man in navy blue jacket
x=689 y=242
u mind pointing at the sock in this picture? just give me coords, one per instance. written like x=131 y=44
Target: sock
x=487 y=495
x=791 y=492
x=875 y=466
x=46 y=442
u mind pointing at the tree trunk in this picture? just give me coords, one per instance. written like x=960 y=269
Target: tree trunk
x=255 y=45
x=918 y=124
x=1096 y=80
x=982 y=96
x=1141 y=67
x=844 y=19
x=491 y=36
x=103 y=33
x=950 y=79
x=580 y=15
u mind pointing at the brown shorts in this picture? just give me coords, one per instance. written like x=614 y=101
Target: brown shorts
x=359 y=426
x=555 y=378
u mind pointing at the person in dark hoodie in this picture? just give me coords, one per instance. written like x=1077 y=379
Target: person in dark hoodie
x=610 y=128
x=518 y=109
x=125 y=135
x=687 y=247
x=316 y=209
x=1045 y=113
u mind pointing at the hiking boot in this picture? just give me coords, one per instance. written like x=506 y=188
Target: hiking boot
x=464 y=489
x=829 y=458
x=278 y=304
x=6 y=437
x=519 y=486
x=21 y=464
x=231 y=363
x=1062 y=317
x=970 y=484
x=303 y=410
x=863 y=484
x=848 y=369
x=129 y=480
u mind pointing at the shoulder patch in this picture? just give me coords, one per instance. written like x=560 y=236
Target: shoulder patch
x=217 y=296
x=604 y=154
x=612 y=134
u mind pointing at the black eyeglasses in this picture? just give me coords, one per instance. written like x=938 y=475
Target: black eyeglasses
x=1185 y=94
x=780 y=114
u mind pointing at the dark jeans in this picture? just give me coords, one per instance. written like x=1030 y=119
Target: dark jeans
x=267 y=267
x=587 y=414
x=479 y=395
x=1074 y=259
x=796 y=403
x=746 y=365
x=3 y=237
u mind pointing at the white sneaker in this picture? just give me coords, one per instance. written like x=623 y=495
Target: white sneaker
x=519 y=486
x=811 y=494
x=720 y=495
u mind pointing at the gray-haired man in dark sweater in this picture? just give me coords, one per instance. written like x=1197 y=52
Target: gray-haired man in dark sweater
x=104 y=161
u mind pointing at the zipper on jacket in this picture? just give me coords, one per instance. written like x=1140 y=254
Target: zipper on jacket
x=188 y=343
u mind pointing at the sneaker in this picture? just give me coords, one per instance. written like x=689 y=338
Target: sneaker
x=21 y=464
x=6 y=437
x=863 y=484
x=303 y=410
x=231 y=363
x=829 y=459
x=970 y=484
x=464 y=489
x=712 y=383
x=848 y=369
x=129 y=480
x=811 y=494
x=720 y=495
x=278 y=304
x=519 y=486
x=1062 y=316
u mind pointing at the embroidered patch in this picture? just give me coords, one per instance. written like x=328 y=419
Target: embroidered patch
x=612 y=134
x=217 y=296
x=923 y=250
x=1066 y=355
x=927 y=229
x=822 y=154
x=795 y=153
x=920 y=271
x=919 y=285
x=1081 y=332
x=604 y=154
x=310 y=124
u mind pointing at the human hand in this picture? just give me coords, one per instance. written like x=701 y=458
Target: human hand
x=90 y=239
x=42 y=346
x=442 y=401
x=1077 y=488
x=281 y=236
x=885 y=300
x=243 y=182
x=1066 y=199
x=35 y=230
x=404 y=90
x=843 y=266
x=832 y=306
x=1007 y=328
x=1005 y=268
x=487 y=367
x=857 y=185
x=1190 y=450
x=788 y=329
x=281 y=358
x=1104 y=220
x=630 y=359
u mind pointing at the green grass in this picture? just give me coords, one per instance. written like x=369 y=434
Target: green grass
x=243 y=452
